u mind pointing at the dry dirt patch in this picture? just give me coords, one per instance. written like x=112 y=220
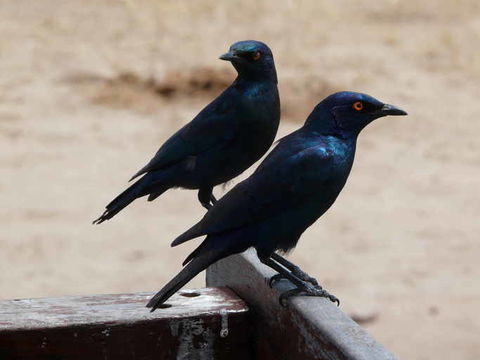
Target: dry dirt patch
x=130 y=90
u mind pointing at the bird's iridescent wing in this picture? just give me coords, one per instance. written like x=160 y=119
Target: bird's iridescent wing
x=215 y=125
x=280 y=184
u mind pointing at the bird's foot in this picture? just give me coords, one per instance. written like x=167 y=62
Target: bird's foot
x=302 y=275
x=305 y=284
x=299 y=273
x=274 y=279
x=307 y=291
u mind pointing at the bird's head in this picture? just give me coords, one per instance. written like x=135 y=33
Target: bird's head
x=252 y=59
x=346 y=113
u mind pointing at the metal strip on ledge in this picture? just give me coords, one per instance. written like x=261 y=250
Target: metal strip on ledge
x=310 y=328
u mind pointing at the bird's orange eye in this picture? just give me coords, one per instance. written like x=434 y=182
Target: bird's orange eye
x=358 y=105
x=257 y=55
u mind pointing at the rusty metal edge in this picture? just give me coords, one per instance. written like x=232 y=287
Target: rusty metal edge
x=92 y=310
x=213 y=323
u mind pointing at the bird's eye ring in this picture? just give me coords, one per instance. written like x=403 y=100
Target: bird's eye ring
x=257 y=55
x=358 y=105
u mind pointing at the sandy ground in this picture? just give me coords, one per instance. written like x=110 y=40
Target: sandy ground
x=89 y=90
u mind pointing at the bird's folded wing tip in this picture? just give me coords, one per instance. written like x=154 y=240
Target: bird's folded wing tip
x=179 y=240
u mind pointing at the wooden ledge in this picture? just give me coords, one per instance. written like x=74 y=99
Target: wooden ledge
x=310 y=328
x=211 y=323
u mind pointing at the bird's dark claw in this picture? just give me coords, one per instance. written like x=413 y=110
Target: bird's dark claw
x=302 y=275
x=298 y=273
x=307 y=291
x=274 y=279
x=332 y=298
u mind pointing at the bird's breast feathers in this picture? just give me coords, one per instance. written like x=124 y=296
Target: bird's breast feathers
x=262 y=96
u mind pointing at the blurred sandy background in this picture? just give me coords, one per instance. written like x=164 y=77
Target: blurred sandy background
x=90 y=89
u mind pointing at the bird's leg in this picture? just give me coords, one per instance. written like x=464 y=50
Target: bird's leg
x=282 y=271
x=294 y=269
x=303 y=287
x=205 y=196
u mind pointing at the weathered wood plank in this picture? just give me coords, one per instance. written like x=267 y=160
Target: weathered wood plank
x=211 y=325
x=310 y=328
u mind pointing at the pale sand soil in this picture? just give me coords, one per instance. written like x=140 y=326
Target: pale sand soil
x=400 y=245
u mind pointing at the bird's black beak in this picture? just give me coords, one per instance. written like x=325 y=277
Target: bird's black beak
x=229 y=56
x=388 y=109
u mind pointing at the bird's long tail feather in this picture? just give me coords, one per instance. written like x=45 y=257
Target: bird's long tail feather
x=195 y=266
x=134 y=191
